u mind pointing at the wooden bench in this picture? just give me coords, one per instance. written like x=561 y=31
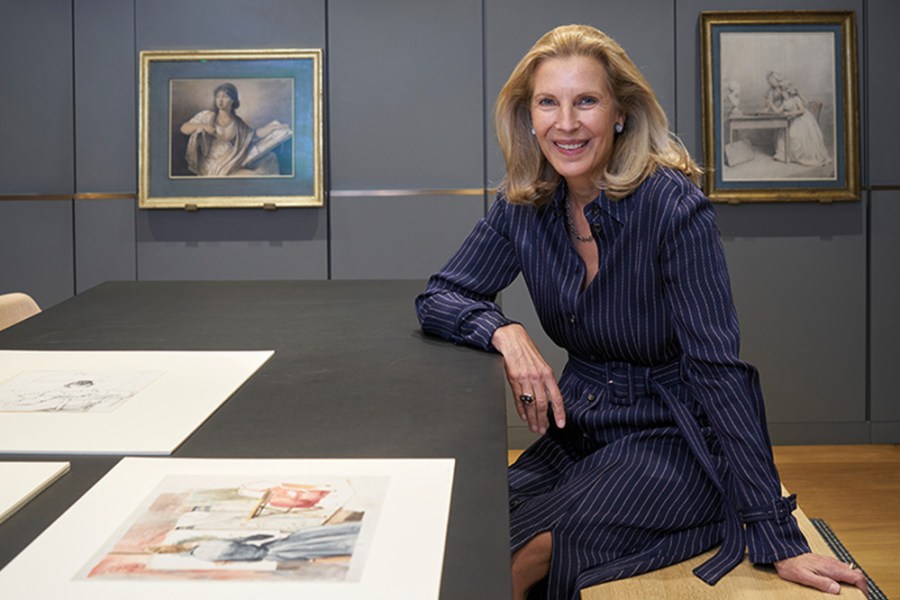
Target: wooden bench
x=745 y=582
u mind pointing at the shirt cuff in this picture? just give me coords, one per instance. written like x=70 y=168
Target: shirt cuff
x=478 y=324
x=773 y=533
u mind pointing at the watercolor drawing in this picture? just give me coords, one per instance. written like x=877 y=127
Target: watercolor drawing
x=72 y=391
x=288 y=528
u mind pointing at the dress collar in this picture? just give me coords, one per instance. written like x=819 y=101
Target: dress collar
x=617 y=209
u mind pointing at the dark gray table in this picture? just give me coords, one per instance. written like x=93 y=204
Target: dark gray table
x=351 y=377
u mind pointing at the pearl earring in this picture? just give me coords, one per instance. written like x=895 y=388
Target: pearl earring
x=620 y=127
x=532 y=131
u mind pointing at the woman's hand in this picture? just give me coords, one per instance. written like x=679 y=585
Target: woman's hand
x=529 y=375
x=823 y=573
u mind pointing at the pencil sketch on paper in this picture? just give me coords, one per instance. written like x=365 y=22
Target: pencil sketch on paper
x=289 y=528
x=72 y=391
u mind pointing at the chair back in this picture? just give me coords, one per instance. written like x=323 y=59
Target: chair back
x=815 y=107
x=15 y=307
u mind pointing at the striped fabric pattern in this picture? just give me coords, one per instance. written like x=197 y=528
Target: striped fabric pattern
x=620 y=487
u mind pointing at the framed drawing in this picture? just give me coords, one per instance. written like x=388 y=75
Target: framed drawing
x=230 y=128
x=780 y=114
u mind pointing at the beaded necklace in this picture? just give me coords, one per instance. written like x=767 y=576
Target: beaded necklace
x=572 y=230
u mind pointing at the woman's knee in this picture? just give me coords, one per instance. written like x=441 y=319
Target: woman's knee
x=535 y=553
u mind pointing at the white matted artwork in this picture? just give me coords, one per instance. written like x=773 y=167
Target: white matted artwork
x=22 y=481
x=119 y=402
x=342 y=529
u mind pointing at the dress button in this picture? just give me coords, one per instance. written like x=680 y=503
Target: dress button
x=591 y=397
x=597 y=228
x=572 y=319
x=596 y=209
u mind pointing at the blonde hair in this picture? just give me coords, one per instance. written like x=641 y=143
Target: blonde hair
x=645 y=143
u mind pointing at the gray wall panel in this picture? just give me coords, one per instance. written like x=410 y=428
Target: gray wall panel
x=398 y=238
x=104 y=242
x=231 y=243
x=36 y=101
x=885 y=433
x=105 y=97
x=36 y=249
x=229 y=24
x=885 y=306
x=802 y=310
x=405 y=94
x=884 y=88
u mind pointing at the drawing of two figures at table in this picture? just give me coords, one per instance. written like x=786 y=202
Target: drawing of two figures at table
x=803 y=143
x=806 y=144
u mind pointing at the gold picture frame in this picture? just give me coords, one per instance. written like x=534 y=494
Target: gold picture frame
x=230 y=128
x=780 y=109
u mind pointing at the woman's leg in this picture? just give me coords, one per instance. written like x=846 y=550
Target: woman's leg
x=531 y=563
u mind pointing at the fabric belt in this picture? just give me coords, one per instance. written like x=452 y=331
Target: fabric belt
x=627 y=380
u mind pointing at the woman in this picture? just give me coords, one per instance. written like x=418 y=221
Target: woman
x=805 y=143
x=221 y=143
x=657 y=448
x=774 y=96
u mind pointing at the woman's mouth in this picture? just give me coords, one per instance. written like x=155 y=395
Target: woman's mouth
x=570 y=146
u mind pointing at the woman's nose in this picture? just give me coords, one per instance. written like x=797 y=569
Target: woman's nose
x=567 y=119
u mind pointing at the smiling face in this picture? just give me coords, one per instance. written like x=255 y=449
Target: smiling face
x=574 y=116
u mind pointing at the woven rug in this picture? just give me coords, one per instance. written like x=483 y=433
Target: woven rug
x=837 y=547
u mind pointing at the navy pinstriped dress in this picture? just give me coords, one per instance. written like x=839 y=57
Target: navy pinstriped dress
x=665 y=451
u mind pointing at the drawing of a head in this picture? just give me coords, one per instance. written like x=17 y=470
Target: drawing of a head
x=225 y=97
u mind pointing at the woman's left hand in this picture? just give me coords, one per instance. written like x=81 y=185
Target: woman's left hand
x=823 y=573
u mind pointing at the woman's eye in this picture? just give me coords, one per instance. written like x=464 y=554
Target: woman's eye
x=587 y=101
x=545 y=102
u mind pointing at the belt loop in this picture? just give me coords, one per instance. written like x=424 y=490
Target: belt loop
x=629 y=372
x=607 y=380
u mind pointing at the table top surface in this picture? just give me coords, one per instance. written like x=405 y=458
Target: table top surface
x=352 y=377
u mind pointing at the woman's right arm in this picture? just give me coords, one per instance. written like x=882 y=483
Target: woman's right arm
x=459 y=302
x=458 y=305
x=200 y=122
